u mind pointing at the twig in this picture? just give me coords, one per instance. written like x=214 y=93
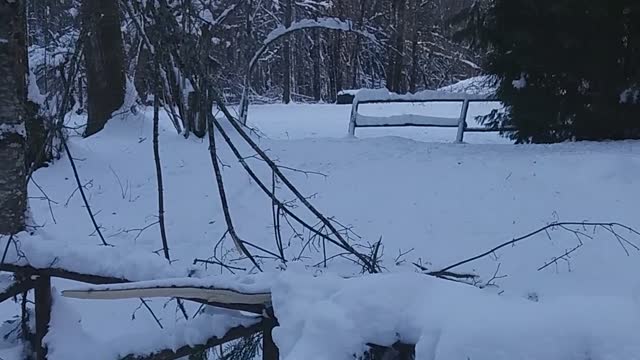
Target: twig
x=86 y=186
x=152 y=313
x=80 y=188
x=156 y=156
x=564 y=256
x=46 y=197
x=6 y=249
x=550 y=226
x=215 y=262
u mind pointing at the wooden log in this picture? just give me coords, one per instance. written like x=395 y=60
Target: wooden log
x=16 y=288
x=43 y=314
x=233 y=334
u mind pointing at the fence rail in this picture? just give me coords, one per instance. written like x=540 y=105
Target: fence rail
x=405 y=120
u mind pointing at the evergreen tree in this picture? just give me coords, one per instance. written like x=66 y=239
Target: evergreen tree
x=566 y=69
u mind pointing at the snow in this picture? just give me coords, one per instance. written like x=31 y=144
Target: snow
x=482 y=85
x=438 y=201
x=385 y=95
x=325 y=23
x=248 y=284
x=123 y=262
x=348 y=92
x=446 y=320
x=33 y=90
x=406 y=119
x=67 y=338
x=12 y=129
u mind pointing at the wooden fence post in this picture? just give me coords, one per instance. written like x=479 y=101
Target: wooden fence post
x=43 y=314
x=463 y=121
x=354 y=117
x=269 y=349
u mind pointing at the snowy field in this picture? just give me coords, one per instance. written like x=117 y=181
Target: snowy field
x=423 y=195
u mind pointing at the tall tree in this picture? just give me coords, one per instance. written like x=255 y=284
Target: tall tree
x=566 y=69
x=13 y=98
x=104 y=61
x=286 y=54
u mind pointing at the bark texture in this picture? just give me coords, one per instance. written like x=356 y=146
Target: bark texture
x=13 y=96
x=104 y=62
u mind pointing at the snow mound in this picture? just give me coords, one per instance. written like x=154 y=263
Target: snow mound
x=480 y=85
x=333 y=318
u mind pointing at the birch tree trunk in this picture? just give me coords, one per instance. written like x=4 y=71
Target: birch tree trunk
x=13 y=97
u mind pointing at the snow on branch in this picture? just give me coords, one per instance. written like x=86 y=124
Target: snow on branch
x=324 y=23
x=280 y=32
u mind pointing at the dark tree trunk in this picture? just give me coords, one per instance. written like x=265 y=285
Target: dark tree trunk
x=413 y=80
x=286 y=54
x=315 y=51
x=13 y=98
x=396 y=51
x=104 y=55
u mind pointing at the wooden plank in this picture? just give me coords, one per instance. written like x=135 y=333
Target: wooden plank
x=43 y=314
x=403 y=119
x=63 y=274
x=31 y=271
x=224 y=296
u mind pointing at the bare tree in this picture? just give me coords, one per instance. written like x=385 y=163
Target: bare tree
x=13 y=97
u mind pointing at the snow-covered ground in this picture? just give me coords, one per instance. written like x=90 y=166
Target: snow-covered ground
x=425 y=196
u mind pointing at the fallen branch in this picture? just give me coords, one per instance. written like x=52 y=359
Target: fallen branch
x=223 y=196
x=609 y=226
x=339 y=239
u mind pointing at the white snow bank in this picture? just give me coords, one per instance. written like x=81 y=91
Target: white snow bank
x=481 y=85
x=121 y=261
x=386 y=95
x=333 y=318
x=67 y=340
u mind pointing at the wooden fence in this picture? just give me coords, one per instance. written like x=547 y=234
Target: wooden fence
x=377 y=97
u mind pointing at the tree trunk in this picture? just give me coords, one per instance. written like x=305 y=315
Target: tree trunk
x=286 y=54
x=317 y=86
x=104 y=61
x=13 y=98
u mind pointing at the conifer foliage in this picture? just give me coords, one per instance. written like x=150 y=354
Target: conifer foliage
x=565 y=69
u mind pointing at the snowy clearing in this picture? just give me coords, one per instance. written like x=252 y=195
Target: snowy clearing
x=436 y=201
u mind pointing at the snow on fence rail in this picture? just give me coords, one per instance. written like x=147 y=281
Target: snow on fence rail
x=377 y=96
